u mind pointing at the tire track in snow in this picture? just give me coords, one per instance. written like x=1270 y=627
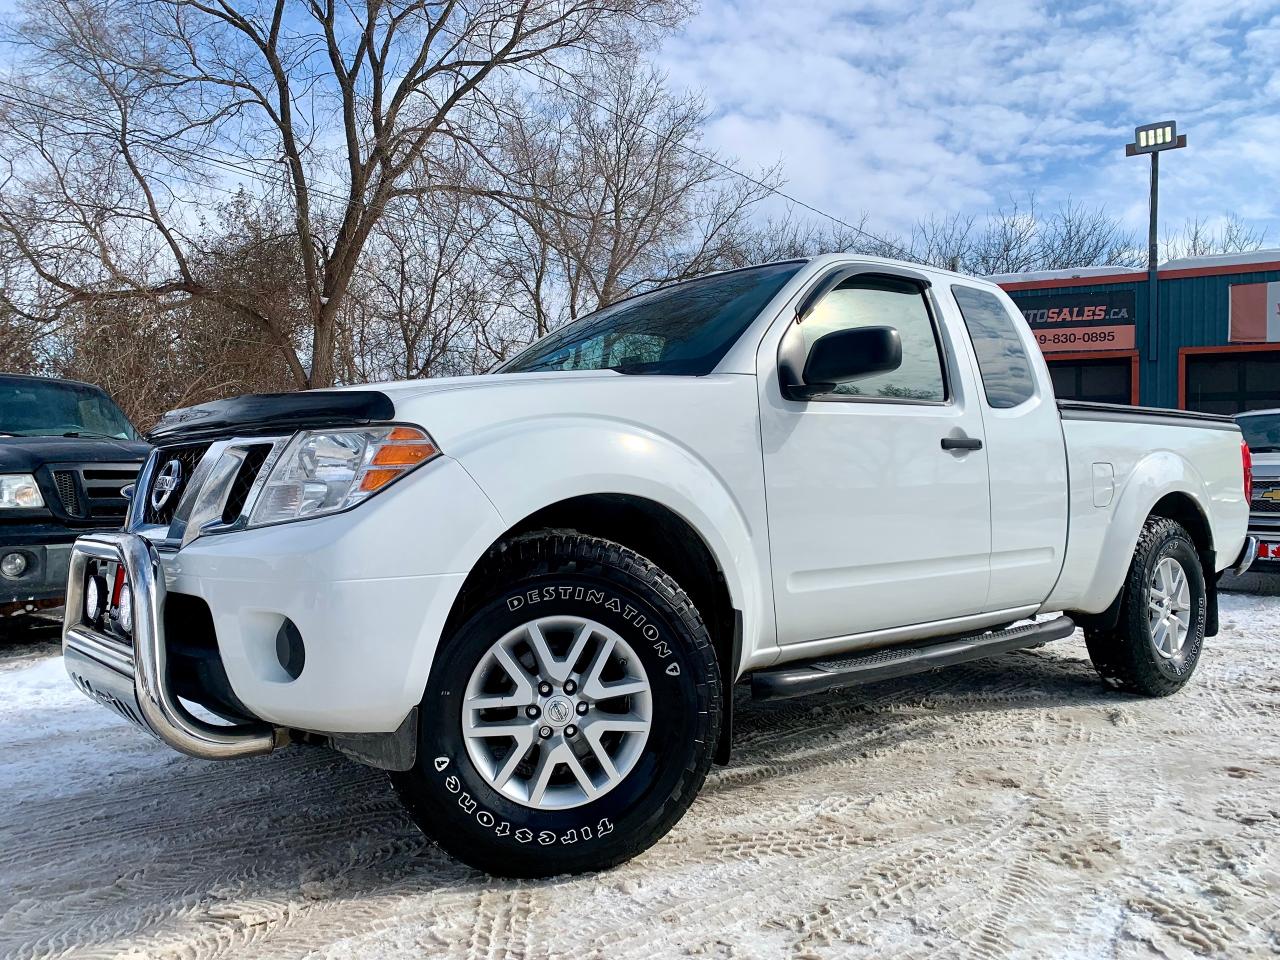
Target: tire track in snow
x=1010 y=807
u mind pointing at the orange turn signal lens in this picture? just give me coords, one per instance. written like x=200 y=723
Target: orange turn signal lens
x=406 y=433
x=403 y=454
x=377 y=479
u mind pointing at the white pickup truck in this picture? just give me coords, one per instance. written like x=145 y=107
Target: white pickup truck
x=529 y=594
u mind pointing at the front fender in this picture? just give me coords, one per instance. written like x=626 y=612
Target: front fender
x=568 y=457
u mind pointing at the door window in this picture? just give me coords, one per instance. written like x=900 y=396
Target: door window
x=1002 y=357
x=874 y=301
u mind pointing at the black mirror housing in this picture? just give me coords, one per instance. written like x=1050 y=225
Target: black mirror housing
x=841 y=356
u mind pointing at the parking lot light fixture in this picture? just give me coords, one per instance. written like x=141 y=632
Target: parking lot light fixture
x=1154 y=139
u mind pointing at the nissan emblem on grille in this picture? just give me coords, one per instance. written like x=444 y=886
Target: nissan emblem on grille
x=168 y=480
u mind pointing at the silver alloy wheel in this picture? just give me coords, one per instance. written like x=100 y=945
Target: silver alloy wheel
x=1169 y=608
x=557 y=712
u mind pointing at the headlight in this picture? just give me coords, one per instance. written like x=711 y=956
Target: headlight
x=19 y=490
x=325 y=471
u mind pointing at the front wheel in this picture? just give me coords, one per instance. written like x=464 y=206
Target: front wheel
x=571 y=716
x=1155 y=645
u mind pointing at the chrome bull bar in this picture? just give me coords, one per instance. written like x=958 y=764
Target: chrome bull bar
x=134 y=681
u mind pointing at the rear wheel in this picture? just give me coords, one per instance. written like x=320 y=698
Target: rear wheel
x=571 y=715
x=1155 y=645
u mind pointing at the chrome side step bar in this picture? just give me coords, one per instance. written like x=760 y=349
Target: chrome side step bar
x=816 y=676
x=133 y=679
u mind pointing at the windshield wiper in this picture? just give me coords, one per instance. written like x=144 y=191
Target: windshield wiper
x=90 y=435
x=1265 y=448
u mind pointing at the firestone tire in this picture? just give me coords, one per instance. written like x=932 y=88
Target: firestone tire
x=567 y=575
x=1127 y=656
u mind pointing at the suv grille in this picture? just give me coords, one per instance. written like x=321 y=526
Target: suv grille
x=188 y=459
x=1259 y=505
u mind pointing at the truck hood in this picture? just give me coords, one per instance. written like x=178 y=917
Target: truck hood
x=401 y=390
x=500 y=395
x=28 y=454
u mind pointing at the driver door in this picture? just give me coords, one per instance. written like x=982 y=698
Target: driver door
x=874 y=522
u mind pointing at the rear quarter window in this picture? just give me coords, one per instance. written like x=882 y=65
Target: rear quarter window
x=1007 y=377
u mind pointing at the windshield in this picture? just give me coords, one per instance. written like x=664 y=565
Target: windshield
x=682 y=330
x=1261 y=432
x=52 y=408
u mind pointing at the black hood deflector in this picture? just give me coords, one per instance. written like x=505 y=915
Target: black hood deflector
x=256 y=414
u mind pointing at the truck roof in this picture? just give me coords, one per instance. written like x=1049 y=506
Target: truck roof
x=27 y=377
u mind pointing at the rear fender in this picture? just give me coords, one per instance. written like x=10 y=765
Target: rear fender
x=1154 y=477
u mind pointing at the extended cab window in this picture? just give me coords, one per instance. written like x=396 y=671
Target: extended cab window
x=683 y=330
x=1002 y=358
x=874 y=301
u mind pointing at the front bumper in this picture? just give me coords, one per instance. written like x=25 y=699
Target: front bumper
x=368 y=591
x=133 y=679
x=47 y=550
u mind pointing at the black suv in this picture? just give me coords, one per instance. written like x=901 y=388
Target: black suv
x=66 y=454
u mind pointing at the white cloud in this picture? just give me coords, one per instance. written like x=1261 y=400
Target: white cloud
x=945 y=108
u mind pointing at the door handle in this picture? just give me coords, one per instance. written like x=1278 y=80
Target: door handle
x=961 y=443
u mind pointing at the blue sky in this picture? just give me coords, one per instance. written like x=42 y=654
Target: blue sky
x=902 y=110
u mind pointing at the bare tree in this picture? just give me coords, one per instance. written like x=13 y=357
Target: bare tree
x=616 y=194
x=130 y=113
x=1198 y=238
x=791 y=236
x=152 y=356
x=417 y=307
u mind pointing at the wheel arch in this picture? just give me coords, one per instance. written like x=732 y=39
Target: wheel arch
x=1100 y=545
x=1183 y=508
x=655 y=531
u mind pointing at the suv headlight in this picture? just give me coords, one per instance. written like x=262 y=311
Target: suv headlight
x=19 y=490
x=327 y=471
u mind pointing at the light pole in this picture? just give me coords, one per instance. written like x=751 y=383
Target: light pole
x=1154 y=138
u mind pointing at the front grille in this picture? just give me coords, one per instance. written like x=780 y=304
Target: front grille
x=102 y=487
x=1262 y=505
x=254 y=458
x=188 y=458
x=92 y=491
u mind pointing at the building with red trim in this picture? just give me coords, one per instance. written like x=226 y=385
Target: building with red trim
x=1215 y=348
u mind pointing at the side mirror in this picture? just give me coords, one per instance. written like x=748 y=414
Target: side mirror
x=841 y=356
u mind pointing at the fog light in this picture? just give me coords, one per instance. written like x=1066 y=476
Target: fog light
x=124 y=610
x=13 y=565
x=95 y=595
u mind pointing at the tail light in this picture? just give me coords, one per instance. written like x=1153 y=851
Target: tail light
x=1246 y=458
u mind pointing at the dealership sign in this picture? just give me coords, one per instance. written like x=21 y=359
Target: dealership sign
x=1080 y=321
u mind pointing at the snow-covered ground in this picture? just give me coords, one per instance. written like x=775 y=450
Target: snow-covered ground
x=1008 y=808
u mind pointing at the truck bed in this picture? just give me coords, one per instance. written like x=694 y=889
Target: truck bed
x=1117 y=455
x=1123 y=413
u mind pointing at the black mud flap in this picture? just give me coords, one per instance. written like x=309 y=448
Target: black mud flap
x=724 y=746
